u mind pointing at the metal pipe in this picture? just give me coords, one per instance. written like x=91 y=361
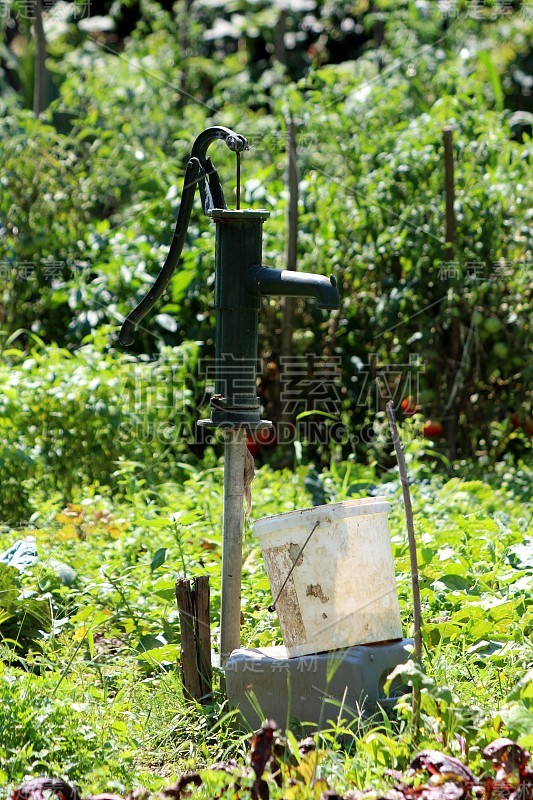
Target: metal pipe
x=263 y=281
x=232 y=524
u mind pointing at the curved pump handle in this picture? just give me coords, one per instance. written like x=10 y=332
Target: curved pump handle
x=200 y=170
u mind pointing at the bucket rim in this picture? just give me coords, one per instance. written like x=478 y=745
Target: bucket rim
x=304 y=516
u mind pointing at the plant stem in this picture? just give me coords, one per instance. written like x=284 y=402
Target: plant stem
x=417 y=610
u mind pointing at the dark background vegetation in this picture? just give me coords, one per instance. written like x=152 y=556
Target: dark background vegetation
x=94 y=144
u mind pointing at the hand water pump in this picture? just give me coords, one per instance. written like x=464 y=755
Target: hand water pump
x=240 y=283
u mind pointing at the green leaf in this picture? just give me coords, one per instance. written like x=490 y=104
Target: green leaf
x=518 y=719
x=9 y=590
x=181 y=282
x=162 y=654
x=158 y=559
x=494 y=78
x=163 y=588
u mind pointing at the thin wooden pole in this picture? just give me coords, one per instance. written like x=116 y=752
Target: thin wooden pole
x=291 y=249
x=280 y=51
x=449 y=190
x=39 y=83
x=232 y=525
x=185 y=45
x=288 y=304
x=415 y=582
x=451 y=419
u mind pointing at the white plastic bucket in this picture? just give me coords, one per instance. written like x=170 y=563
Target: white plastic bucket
x=342 y=590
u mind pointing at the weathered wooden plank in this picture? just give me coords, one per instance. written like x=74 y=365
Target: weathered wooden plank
x=203 y=635
x=189 y=667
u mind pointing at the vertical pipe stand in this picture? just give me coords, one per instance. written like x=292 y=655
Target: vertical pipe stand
x=235 y=407
x=232 y=524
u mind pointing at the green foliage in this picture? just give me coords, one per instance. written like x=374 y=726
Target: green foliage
x=24 y=616
x=89 y=192
x=115 y=655
x=374 y=202
x=84 y=418
x=50 y=726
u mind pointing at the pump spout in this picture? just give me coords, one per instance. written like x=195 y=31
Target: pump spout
x=263 y=281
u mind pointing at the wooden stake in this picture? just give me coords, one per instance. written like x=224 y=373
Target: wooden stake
x=451 y=419
x=203 y=634
x=193 y=607
x=449 y=189
x=291 y=249
x=39 y=84
x=185 y=47
x=417 y=610
x=280 y=51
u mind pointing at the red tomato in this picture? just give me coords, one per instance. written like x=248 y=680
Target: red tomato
x=253 y=447
x=409 y=406
x=266 y=436
x=432 y=429
x=516 y=421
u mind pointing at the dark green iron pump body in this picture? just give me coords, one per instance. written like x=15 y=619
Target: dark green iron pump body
x=240 y=283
